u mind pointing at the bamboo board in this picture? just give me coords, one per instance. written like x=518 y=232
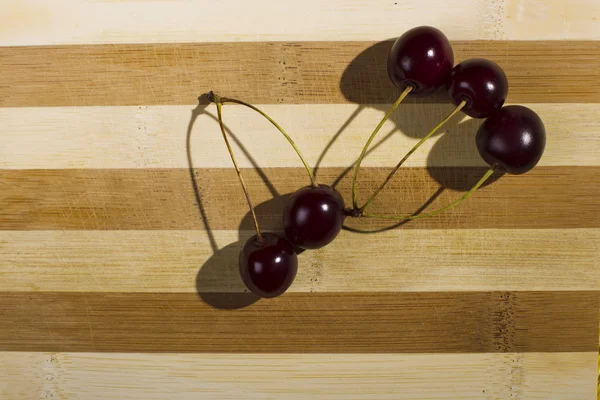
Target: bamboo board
x=121 y=216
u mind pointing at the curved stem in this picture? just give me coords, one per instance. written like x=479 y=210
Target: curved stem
x=441 y=210
x=219 y=104
x=366 y=147
x=313 y=181
x=415 y=147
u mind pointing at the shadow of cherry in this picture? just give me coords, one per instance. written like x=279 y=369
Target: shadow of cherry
x=268 y=214
x=454 y=161
x=366 y=81
x=270 y=218
x=221 y=271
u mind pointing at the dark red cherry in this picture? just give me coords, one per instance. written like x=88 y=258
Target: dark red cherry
x=513 y=138
x=422 y=58
x=313 y=217
x=268 y=268
x=481 y=83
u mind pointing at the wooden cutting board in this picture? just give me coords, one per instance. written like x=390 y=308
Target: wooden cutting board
x=121 y=217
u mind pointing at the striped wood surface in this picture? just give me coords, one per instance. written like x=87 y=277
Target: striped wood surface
x=118 y=281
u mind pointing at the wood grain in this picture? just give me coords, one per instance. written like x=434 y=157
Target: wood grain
x=329 y=135
x=28 y=22
x=273 y=72
x=454 y=322
x=392 y=261
x=103 y=248
x=164 y=199
x=536 y=376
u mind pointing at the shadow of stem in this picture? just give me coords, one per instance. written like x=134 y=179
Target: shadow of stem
x=335 y=137
x=372 y=149
x=401 y=223
x=203 y=102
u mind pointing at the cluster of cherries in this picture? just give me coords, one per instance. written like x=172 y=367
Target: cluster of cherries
x=421 y=61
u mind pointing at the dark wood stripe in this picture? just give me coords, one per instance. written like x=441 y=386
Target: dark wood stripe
x=326 y=322
x=278 y=72
x=145 y=199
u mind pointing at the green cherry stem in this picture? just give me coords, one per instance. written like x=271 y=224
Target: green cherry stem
x=441 y=210
x=219 y=104
x=311 y=176
x=415 y=147
x=368 y=143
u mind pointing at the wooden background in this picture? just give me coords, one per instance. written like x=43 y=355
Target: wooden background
x=121 y=216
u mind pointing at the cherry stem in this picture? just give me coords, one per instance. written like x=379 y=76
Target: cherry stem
x=439 y=211
x=313 y=181
x=219 y=104
x=366 y=147
x=415 y=147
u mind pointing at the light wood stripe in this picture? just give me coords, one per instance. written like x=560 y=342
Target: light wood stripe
x=525 y=376
x=156 y=136
x=164 y=199
x=30 y=22
x=392 y=261
x=455 y=322
x=273 y=72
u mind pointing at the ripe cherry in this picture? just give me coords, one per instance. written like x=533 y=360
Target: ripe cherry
x=481 y=83
x=513 y=138
x=422 y=58
x=268 y=262
x=268 y=267
x=419 y=62
x=477 y=87
x=313 y=216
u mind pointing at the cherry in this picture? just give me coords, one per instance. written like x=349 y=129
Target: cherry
x=268 y=262
x=421 y=58
x=419 y=62
x=268 y=266
x=477 y=87
x=513 y=138
x=313 y=216
x=481 y=83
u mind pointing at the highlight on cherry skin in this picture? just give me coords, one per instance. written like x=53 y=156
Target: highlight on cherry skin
x=268 y=266
x=481 y=84
x=313 y=216
x=422 y=59
x=513 y=139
